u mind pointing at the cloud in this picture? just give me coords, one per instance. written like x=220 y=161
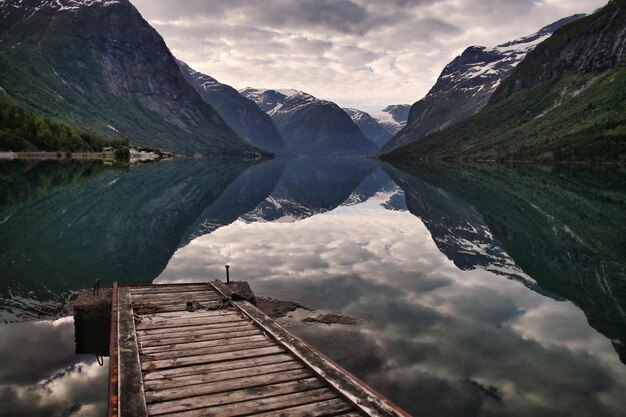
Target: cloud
x=41 y=375
x=323 y=46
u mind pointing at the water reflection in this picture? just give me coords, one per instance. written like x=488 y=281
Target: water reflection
x=41 y=375
x=477 y=284
x=116 y=226
x=451 y=326
x=564 y=226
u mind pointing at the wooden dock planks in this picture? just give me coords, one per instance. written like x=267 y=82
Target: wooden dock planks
x=226 y=358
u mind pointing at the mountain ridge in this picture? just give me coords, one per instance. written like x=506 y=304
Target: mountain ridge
x=466 y=84
x=311 y=126
x=242 y=114
x=370 y=126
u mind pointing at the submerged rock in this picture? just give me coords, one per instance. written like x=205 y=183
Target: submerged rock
x=331 y=318
x=278 y=308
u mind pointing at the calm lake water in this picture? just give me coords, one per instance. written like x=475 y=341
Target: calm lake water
x=481 y=290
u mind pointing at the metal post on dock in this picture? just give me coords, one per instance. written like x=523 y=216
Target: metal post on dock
x=227 y=273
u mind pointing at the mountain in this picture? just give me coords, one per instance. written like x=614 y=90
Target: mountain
x=98 y=65
x=311 y=126
x=466 y=83
x=393 y=117
x=370 y=127
x=242 y=114
x=566 y=101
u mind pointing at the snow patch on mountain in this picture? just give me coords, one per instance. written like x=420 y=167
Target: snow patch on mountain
x=33 y=6
x=466 y=84
x=393 y=117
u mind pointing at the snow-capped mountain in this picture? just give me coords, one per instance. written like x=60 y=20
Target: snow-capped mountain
x=311 y=126
x=33 y=6
x=466 y=83
x=242 y=114
x=393 y=117
x=370 y=126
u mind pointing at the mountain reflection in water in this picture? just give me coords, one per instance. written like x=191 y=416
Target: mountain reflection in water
x=483 y=289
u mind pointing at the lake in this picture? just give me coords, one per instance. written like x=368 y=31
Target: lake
x=479 y=290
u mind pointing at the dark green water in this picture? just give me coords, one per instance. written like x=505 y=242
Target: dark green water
x=481 y=290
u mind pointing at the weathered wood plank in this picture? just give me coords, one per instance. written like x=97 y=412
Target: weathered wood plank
x=276 y=404
x=152 y=317
x=208 y=298
x=195 y=390
x=168 y=301
x=147 y=324
x=203 y=378
x=215 y=357
x=207 y=368
x=187 y=314
x=114 y=356
x=234 y=396
x=185 y=353
x=366 y=400
x=231 y=361
x=178 y=307
x=177 y=293
x=176 y=301
x=132 y=402
x=316 y=409
x=185 y=330
x=201 y=344
x=192 y=337
x=157 y=289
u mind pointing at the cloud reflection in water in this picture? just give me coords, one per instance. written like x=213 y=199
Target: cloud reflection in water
x=41 y=376
x=436 y=339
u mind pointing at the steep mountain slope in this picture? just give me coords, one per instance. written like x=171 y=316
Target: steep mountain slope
x=22 y=130
x=393 y=117
x=370 y=127
x=566 y=102
x=466 y=83
x=99 y=65
x=311 y=126
x=242 y=114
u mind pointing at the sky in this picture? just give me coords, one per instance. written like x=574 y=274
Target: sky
x=359 y=53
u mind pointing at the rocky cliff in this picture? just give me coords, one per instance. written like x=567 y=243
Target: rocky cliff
x=99 y=65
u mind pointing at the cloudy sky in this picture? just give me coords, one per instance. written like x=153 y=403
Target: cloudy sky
x=361 y=53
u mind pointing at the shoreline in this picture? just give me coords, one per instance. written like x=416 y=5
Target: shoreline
x=58 y=155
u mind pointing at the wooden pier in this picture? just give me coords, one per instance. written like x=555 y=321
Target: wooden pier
x=192 y=350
